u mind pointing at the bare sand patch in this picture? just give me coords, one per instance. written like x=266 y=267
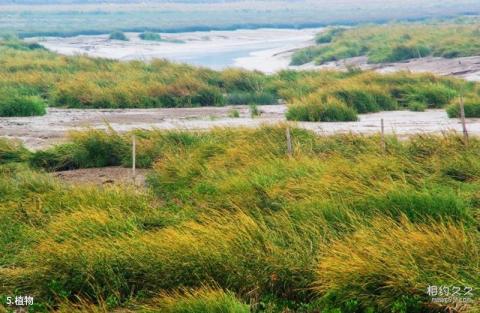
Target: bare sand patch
x=44 y=131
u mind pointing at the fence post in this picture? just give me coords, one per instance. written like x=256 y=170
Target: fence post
x=462 y=117
x=289 y=142
x=134 y=157
x=382 y=127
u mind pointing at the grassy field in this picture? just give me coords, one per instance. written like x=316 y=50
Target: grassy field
x=230 y=222
x=67 y=18
x=32 y=78
x=395 y=42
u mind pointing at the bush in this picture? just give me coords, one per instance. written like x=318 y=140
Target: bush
x=150 y=36
x=471 y=107
x=118 y=35
x=329 y=110
x=20 y=105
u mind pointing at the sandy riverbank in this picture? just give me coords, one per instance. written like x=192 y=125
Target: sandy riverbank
x=39 y=132
x=253 y=49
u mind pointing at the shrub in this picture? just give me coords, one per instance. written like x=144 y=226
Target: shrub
x=19 y=105
x=329 y=110
x=150 y=36
x=118 y=35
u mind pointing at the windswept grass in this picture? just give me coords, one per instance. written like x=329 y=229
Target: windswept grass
x=394 y=42
x=339 y=226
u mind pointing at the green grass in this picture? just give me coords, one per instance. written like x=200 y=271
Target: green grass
x=330 y=96
x=471 y=107
x=33 y=79
x=326 y=110
x=341 y=225
x=13 y=103
x=394 y=42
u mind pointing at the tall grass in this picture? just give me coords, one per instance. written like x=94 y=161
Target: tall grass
x=364 y=92
x=33 y=78
x=339 y=225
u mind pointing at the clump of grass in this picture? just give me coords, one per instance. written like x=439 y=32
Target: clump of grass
x=471 y=107
x=150 y=36
x=12 y=103
x=12 y=151
x=416 y=106
x=92 y=149
x=395 y=260
x=254 y=111
x=118 y=35
x=234 y=113
x=328 y=110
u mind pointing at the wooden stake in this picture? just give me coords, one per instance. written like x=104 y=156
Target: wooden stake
x=289 y=142
x=462 y=117
x=134 y=156
x=382 y=127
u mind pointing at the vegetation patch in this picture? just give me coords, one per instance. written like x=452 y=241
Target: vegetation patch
x=118 y=35
x=394 y=42
x=340 y=224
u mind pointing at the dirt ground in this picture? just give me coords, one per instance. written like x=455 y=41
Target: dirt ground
x=103 y=176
